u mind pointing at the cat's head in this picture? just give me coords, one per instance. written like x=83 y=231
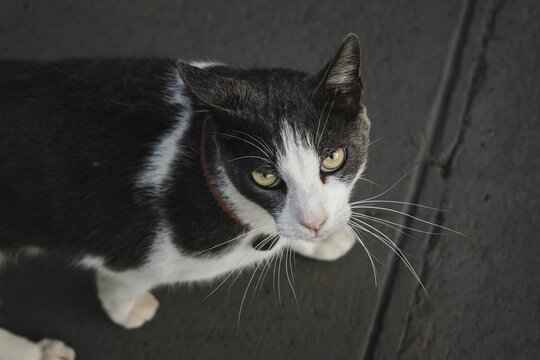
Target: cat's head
x=292 y=143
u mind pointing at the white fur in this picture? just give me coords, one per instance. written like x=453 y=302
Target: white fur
x=157 y=169
x=205 y=63
x=158 y=165
x=126 y=299
x=309 y=200
x=13 y=347
x=329 y=249
x=92 y=262
x=121 y=293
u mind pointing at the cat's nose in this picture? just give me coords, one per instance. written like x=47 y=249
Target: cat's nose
x=315 y=224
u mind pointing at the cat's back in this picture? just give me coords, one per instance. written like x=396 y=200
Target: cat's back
x=73 y=108
x=94 y=85
x=76 y=134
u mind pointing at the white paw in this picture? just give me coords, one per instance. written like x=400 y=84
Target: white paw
x=55 y=350
x=331 y=248
x=134 y=313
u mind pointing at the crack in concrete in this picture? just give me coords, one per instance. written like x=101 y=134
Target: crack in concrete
x=416 y=300
x=446 y=86
x=475 y=83
x=445 y=161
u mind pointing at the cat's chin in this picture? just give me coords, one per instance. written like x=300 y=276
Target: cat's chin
x=316 y=239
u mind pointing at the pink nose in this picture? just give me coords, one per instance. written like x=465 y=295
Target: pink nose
x=314 y=225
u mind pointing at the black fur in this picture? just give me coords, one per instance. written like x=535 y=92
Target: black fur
x=75 y=136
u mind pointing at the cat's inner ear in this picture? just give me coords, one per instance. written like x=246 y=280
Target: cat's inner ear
x=341 y=76
x=213 y=89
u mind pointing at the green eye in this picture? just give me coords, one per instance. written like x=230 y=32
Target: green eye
x=263 y=179
x=334 y=161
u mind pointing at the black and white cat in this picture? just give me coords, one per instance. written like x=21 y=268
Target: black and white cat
x=157 y=172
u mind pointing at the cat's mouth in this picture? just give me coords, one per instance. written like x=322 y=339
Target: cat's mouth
x=300 y=234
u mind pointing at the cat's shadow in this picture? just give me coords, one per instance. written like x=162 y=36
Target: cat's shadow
x=45 y=297
x=39 y=294
x=48 y=298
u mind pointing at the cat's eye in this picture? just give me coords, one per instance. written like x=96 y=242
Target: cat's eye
x=265 y=179
x=334 y=161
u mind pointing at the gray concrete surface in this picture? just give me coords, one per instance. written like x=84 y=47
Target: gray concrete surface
x=452 y=91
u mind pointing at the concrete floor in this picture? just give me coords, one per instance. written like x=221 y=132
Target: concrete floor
x=452 y=91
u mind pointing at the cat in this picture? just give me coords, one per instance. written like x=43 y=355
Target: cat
x=154 y=172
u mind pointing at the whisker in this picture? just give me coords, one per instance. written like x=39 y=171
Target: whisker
x=326 y=121
x=359 y=239
x=278 y=281
x=245 y=293
x=390 y=226
x=369 y=181
x=374 y=141
x=291 y=259
x=250 y=157
x=386 y=239
x=274 y=280
x=396 y=202
x=259 y=246
x=267 y=269
x=393 y=185
x=320 y=117
x=235 y=238
x=394 y=225
x=263 y=271
x=391 y=245
x=248 y=142
x=258 y=140
x=247 y=259
x=287 y=256
x=408 y=215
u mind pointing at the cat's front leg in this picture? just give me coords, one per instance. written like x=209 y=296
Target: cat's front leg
x=329 y=249
x=13 y=347
x=126 y=298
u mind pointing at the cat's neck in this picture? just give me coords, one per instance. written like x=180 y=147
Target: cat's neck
x=209 y=177
x=189 y=203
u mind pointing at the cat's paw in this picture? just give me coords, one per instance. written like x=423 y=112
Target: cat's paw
x=134 y=313
x=55 y=350
x=329 y=249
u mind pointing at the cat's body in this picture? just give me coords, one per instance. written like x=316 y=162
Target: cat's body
x=153 y=172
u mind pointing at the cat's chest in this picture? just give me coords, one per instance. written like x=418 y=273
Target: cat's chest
x=171 y=265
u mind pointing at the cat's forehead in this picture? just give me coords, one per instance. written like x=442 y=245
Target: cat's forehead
x=267 y=103
x=280 y=100
x=264 y=89
x=317 y=128
x=288 y=135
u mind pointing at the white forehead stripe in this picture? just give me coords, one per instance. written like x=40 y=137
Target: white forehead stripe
x=298 y=161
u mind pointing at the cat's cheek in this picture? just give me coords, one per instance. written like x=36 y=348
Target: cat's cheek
x=337 y=204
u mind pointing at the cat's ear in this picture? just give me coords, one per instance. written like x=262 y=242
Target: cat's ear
x=212 y=89
x=340 y=77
